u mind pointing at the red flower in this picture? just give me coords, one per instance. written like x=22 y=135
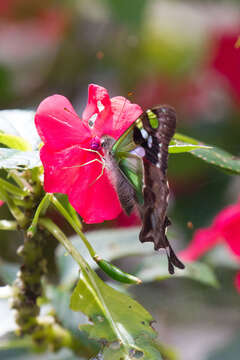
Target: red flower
x=225 y=228
x=225 y=59
x=72 y=156
x=124 y=220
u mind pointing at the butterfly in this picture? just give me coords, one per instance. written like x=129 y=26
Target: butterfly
x=138 y=163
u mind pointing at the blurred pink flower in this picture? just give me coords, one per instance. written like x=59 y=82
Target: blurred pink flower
x=72 y=155
x=224 y=228
x=225 y=59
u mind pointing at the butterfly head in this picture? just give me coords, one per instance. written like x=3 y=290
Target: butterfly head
x=107 y=143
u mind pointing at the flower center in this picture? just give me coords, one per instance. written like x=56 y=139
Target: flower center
x=95 y=143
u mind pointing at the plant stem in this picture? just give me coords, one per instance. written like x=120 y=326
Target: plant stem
x=74 y=215
x=27 y=288
x=41 y=208
x=8 y=225
x=15 y=211
x=22 y=183
x=7 y=186
x=62 y=238
x=24 y=203
x=70 y=220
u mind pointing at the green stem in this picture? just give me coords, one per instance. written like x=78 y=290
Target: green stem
x=7 y=186
x=15 y=211
x=70 y=220
x=62 y=238
x=111 y=270
x=8 y=225
x=89 y=277
x=22 y=183
x=74 y=215
x=42 y=207
x=24 y=203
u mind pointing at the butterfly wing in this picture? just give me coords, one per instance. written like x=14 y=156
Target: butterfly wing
x=158 y=127
x=142 y=157
x=129 y=160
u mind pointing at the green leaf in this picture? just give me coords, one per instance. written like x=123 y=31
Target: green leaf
x=116 y=320
x=15 y=159
x=219 y=158
x=110 y=244
x=177 y=147
x=151 y=351
x=20 y=123
x=15 y=142
x=119 y=321
x=185 y=139
x=60 y=300
x=153 y=268
x=210 y=154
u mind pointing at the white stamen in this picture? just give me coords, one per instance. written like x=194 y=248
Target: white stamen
x=100 y=106
x=144 y=133
x=92 y=120
x=150 y=141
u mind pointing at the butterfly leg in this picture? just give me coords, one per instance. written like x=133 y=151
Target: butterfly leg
x=87 y=163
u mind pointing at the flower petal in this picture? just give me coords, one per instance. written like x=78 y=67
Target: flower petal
x=99 y=202
x=227 y=222
x=113 y=123
x=203 y=240
x=94 y=199
x=98 y=99
x=58 y=124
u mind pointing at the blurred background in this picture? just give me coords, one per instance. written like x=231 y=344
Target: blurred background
x=183 y=53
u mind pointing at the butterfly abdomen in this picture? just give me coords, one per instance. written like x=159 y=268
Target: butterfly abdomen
x=123 y=188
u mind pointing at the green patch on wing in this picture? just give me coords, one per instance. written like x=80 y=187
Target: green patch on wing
x=130 y=164
x=131 y=167
x=153 y=120
x=125 y=143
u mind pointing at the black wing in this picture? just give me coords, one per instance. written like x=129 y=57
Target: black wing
x=158 y=127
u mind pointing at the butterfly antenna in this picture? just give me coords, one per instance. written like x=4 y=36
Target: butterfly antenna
x=124 y=103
